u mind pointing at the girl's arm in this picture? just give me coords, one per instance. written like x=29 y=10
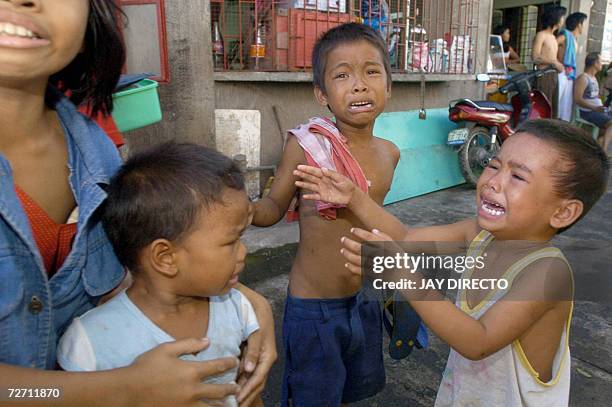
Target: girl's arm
x=330 y=186
x=514 y=56
x=271 y=208
x=535 y=292
x=157 y=377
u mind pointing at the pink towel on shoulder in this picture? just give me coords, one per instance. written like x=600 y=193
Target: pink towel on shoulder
x=325 y=147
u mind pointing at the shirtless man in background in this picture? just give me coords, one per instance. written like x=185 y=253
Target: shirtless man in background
x=544 y=53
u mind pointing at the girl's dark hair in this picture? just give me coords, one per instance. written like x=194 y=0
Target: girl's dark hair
x=500 y=29
x=93 y=74
x=583 y=174
x=343 y=34
x=160 y=192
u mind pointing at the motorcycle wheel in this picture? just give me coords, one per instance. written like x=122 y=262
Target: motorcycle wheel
x=476 y=153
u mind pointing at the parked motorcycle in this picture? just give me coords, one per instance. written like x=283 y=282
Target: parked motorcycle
x=484 y=125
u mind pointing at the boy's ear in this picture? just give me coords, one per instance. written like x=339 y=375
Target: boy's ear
x=320 y=96
x=161 y=256
x=567 y=213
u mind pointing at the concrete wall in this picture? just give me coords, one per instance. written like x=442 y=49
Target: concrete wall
x=295 y=103
x=188 y=101
x=597 y=20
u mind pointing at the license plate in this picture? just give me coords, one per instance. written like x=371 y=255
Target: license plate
x=458 y=136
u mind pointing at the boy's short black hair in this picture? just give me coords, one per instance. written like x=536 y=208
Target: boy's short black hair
x=574 y=20
x=553 y=16
x=591 y=59
x=93 y=75
x=342 y=34
x=160 y=192
x=584 y=173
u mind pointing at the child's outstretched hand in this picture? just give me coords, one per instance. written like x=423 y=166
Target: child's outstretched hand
x=326 y=185
x=352 y=248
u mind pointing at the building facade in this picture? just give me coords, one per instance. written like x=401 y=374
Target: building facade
x=236 y=73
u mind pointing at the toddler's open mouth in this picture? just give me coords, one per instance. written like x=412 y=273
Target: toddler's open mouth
x=491 y=208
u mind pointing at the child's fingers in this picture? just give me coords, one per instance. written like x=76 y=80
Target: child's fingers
x=308 y=185
x=252 y=350
x=306 y=176
x=365 y=235
x=310 y=170
x=351 y=256
x=184 y=346
x=211 y=392
x=353 y=268
x=334 y=175
x=214 y=367
x=382 y=236
x=312 y=197
x=351 y=245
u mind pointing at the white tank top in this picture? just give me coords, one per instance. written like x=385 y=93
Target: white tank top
x=505 y=378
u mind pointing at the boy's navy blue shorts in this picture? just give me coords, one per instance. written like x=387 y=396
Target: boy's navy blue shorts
x=333 y=350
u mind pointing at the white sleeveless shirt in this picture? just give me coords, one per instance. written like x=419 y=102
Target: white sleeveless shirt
x=505 y=378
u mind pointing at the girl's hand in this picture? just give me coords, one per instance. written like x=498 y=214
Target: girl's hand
x=352 y=249
x=326 y=185
x=259 y=354
x=159 y=378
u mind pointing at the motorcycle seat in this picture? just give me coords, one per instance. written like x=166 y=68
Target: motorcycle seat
x=504 y=107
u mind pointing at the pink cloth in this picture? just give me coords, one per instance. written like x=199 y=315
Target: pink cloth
x=325 y=147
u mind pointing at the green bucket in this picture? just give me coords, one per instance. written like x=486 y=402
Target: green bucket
x=137 y=106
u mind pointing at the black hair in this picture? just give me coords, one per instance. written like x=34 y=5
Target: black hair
x=591 y=59
x=160 y=192
x=583 y=175
x=574 y=20
x=500 y=29
x=553 y=16
x=342 y=34
x=93 y=74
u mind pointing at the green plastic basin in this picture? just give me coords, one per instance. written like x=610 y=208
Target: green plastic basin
x=136 y=107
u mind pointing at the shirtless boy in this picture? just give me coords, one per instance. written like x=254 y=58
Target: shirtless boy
x=333 y=338
x=509 y=347
x=545 y=51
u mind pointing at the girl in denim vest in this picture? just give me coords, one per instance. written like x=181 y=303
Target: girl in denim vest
x=55 y=259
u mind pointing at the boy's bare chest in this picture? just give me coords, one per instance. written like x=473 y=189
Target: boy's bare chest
x=378 y=167
x=550 y=47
